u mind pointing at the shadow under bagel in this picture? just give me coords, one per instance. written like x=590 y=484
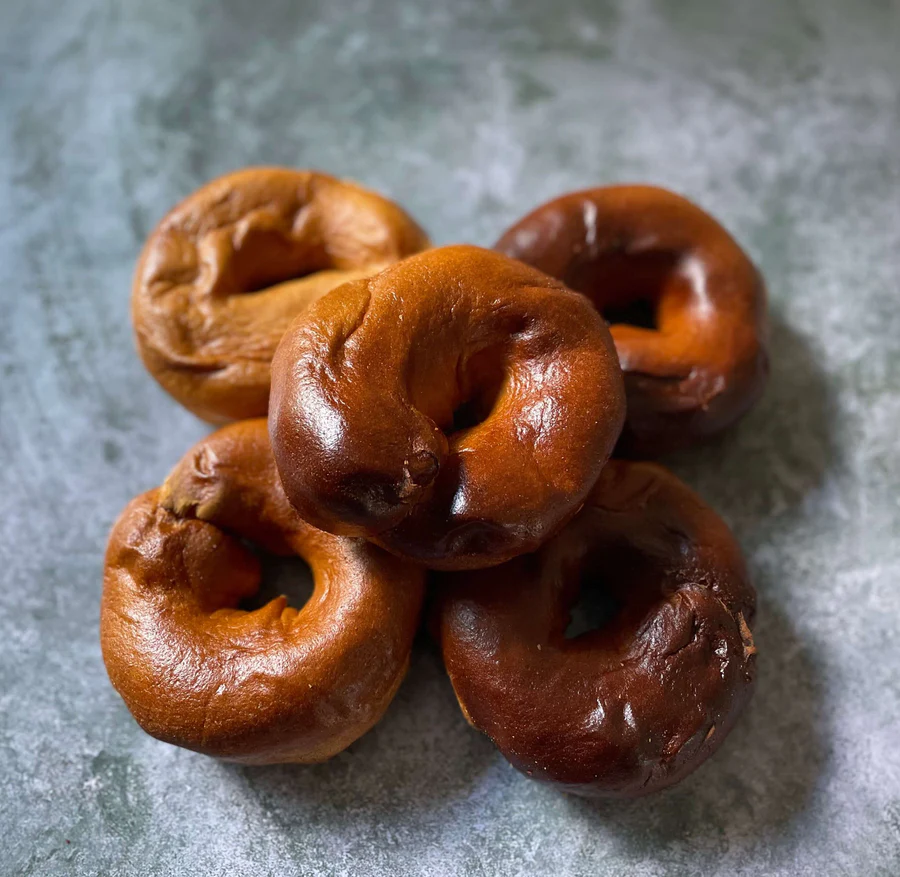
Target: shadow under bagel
x=764 y=466
x=757 y=475
x=420 y=757
x=420 y=753
x=763 y=777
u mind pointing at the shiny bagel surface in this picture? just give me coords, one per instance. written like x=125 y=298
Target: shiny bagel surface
x=687 y=306
x=456 y=408
x=276 y=684
x=636 y=704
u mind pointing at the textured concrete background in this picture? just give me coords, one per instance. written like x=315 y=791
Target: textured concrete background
x=783 y=118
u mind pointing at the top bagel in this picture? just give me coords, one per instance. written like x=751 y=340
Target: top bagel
x=286 y=236
x=456 y=408
x=687 y=305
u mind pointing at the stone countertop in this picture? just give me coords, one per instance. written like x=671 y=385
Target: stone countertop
x=783 y=119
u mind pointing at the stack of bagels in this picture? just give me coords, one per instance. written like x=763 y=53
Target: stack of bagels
x=463 y=422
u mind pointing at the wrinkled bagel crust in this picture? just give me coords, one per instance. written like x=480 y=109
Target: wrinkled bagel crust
x=223 y=275
x=703 y=363
x=637 y=704
x=367 y=389
x=272 y=685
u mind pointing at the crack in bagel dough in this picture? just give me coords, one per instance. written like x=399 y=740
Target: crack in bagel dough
x=227 y=270
x=637 y=704
x=456 y=408
x=702 y=362
x=278 y=684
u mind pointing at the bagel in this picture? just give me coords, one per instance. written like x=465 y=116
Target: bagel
x=456 y=408
x=278 y=684
x=637 y=704
x=224 y=273
x=687 y=306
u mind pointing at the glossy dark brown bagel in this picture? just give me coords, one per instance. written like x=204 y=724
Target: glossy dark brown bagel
x=637 y=704
x=272 y=685
x=687 y=306
x=222 y=276
x=456 y=408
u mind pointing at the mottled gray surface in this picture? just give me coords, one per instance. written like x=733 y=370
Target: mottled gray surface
x=783 y=118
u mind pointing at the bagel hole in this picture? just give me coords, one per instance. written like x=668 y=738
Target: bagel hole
x=261 y=280
x=469 y=414
x=262 y=285
x=616 y=590
x=626 y=287
x=594 y=608
x=480 y=384
x=290 y=576
x=640 y=313
x=274 y=260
